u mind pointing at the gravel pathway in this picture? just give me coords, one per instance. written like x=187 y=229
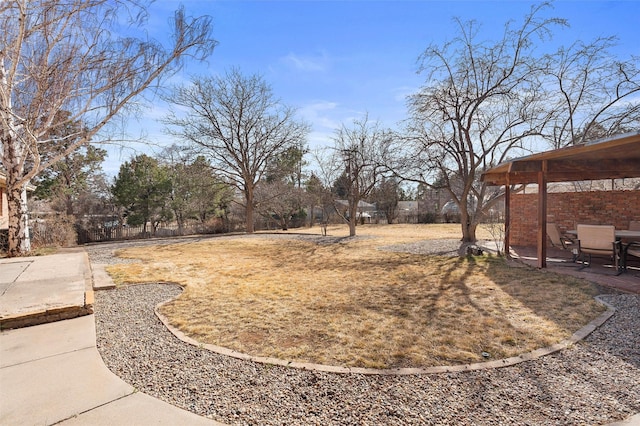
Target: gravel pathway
x=594 y=382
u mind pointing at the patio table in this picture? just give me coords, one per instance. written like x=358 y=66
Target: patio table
x=627 y=234
x=631 y=237
x=620 y=234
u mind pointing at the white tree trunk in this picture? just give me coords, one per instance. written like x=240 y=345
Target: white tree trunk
x=25 y=244
x=13 y=149
x=18 y=238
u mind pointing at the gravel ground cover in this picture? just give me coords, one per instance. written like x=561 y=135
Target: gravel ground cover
x=594 y=382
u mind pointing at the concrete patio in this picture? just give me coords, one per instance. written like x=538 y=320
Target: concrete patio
x=601 y=272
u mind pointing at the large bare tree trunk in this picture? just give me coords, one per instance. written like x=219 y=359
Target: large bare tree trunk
x=468 y=230
x=18 y=232
x=18 y=239
x=249 y=225
x=353 y=211
x=468 y=225
x=250 y=228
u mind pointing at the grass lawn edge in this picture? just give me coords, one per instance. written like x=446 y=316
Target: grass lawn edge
x=576 y=337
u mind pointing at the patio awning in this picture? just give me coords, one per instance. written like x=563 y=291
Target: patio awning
x=613 y=158
x=617 y=157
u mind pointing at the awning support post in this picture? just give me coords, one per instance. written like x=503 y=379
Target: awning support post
x=542 y=215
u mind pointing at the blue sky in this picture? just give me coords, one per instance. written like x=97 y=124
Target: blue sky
x=337 y=60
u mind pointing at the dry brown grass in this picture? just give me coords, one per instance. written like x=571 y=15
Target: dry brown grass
x=351 y=304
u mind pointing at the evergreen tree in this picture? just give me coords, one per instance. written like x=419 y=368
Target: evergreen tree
x=143 y=189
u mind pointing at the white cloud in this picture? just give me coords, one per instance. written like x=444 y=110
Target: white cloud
x=325 y=118
x=309 y=63
x=400 y=93
x=330 y=115
x=321 y=114
x=631 y=101
x=320 y=139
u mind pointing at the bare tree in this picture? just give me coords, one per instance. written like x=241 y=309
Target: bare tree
x=196 y=191
x=236 y=121
x=482 y=102
x=280 y=194
x=280 y=201
x=68 y=56
x=358 y=149
x=592 y=94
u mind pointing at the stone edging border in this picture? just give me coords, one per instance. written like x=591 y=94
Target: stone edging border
x=505 y=362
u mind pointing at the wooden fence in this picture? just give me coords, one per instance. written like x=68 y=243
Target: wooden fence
x=118 y=233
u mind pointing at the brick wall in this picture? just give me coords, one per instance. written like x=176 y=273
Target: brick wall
x=570 y=208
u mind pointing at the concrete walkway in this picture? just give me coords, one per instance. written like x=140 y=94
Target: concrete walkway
x=52 y=373
x=36 y=290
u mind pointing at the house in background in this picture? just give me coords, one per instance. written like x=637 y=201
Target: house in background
x=408 y=211
x=364 y=212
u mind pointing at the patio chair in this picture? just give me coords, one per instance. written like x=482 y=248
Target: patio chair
x=560 y=240
x=632 y=249
x=599 y=240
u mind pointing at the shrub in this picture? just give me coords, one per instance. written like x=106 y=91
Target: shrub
x=428 y=217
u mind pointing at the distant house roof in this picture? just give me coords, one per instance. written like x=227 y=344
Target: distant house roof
x=362 y=205
x=408 y=205
x=617 y=157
